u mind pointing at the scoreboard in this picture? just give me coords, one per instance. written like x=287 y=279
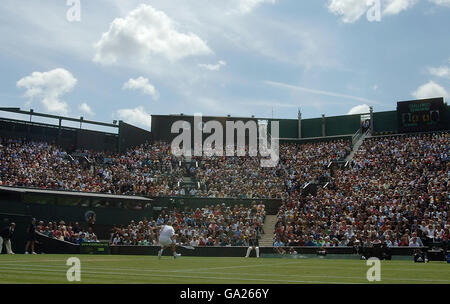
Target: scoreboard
x=421 y=115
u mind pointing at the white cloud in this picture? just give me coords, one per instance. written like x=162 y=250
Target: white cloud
x=319 y=92
x=137 y=116
x=246 y=6
x=85 y=108
x=394 y=7
x=349 y=10
x=430 y=90
x=361 y=109
x=145 y=33
x=213 y=67
x=352 y=10
x=49 y=87
x=442 y=71
x=143 y=85
x=441 y=2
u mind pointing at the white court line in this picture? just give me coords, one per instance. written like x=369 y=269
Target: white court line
x=48 y=267
x=63 y=260
x=363 y=266
x=178 y=276
x=334 y=277
x=166 y=270
x=239 y=266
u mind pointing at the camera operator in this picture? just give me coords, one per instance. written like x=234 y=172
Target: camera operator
x=419 y=256
x=357 y=247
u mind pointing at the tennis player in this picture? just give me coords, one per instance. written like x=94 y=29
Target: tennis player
x=167 y=238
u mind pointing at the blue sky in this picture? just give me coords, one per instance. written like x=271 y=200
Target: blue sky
x=127 y=59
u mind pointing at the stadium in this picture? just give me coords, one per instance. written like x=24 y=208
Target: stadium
x=345 y=189
x=214 y=150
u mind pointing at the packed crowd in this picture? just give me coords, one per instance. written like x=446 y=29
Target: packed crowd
x=72 y=233
x=217 y=225
x=147 y=169
x=245 y=177
x=237 y=176
x=309 y=162
x=152 y=170
x=394 y=193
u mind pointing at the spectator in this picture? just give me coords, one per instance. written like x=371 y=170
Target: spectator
x=217 y=225
x=278 y=244
x=66 y=232
x=5 y=237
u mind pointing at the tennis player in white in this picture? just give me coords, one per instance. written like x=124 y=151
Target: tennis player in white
x=167 y=237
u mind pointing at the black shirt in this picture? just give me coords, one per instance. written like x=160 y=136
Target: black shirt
x=32 y=229
x=6 y=232
x=253 y=241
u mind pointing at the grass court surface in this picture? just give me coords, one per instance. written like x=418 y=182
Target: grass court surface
x=113 y=269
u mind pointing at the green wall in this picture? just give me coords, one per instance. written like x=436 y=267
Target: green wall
x=385 y=121
x=288 y=127
x=312 y=127
x=271 y=205
x=448 y=114
x=342 y=125
x=51 y=212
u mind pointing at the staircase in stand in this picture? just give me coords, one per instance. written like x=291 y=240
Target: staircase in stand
x=357 y=141
x=269 y=230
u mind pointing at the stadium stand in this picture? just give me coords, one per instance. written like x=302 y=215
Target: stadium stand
x=394 y=192
x=351 y=207
x=69 y=232
x=210 y=226
x=347 y=190
x=147 y=169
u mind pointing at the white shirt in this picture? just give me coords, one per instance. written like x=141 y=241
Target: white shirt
x=166 y=232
